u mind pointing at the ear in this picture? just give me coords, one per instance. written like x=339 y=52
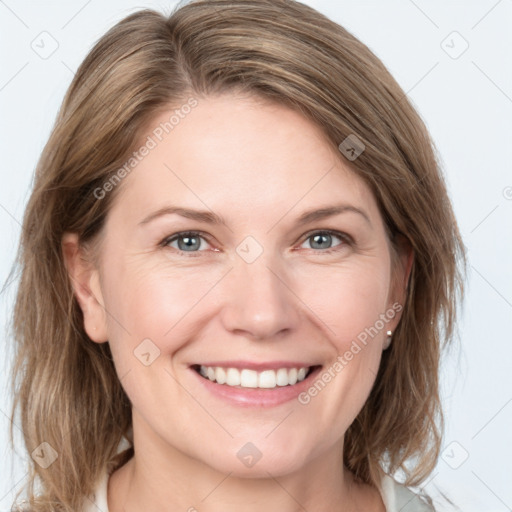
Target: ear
x=86 y=285
x=401 y=271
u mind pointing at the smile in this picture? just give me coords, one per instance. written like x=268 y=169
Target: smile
x=247 y=378
x=255 y=384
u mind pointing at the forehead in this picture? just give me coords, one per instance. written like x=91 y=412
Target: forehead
x=239 y=154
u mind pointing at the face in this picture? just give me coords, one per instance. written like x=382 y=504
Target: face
x=280 y=290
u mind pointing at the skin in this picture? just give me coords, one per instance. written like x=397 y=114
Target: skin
x=260 y=166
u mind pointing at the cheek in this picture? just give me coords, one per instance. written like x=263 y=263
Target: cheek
x=155 y=302
x=163 y=300
x=351 y=303
x=347 y=299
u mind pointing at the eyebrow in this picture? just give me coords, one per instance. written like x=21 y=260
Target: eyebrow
x=209 y=217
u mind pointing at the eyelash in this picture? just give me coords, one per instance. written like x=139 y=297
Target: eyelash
x=346 y=240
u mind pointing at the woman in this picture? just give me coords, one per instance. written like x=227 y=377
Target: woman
x=239 y=265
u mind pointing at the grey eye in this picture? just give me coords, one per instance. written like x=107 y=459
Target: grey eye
x=186 y=242
x=322 y=240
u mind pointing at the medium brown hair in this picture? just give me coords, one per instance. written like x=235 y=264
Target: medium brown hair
x=65 y=386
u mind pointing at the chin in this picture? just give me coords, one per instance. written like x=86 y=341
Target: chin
x=259 y=460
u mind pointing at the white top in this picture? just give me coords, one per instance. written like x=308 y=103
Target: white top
x=396 y=497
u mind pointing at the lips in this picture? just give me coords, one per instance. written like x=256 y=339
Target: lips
x=251 y=384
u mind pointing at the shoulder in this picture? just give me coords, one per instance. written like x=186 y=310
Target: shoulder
x=399 y=498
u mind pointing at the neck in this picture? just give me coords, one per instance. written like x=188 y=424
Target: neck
x=161 y=477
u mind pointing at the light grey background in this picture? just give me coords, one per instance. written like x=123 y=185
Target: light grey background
x=466 y=102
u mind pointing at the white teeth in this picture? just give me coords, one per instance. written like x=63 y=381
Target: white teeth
x=220 y=375
x=282 y=377
x=249 y=379
x=266 y=379
x=233 y=377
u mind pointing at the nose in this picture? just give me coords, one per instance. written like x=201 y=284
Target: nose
x=259 y=303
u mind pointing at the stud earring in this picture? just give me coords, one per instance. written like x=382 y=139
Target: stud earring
x=389 y=335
